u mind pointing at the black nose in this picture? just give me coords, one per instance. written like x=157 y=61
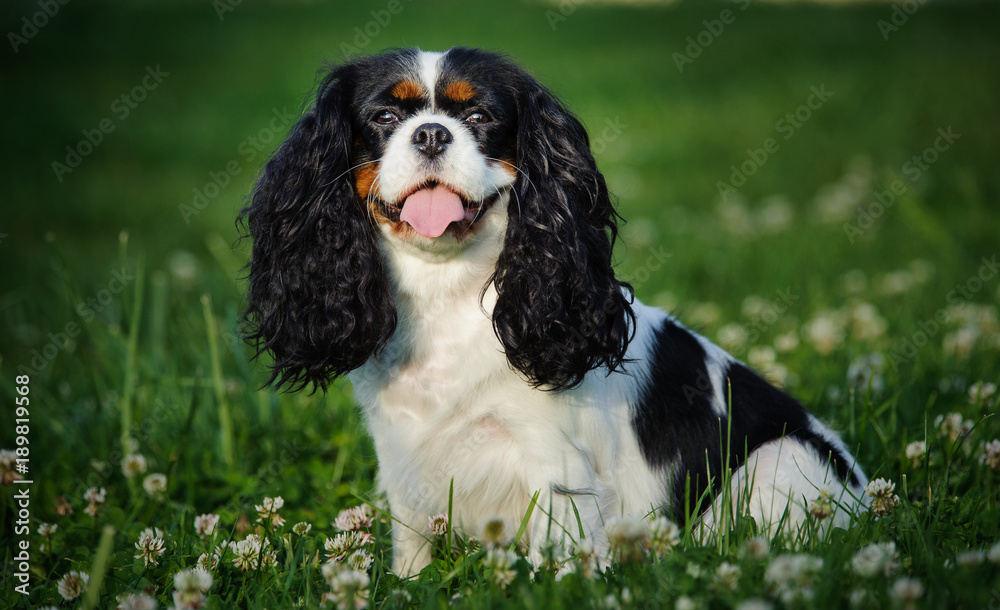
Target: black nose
x=431 y=139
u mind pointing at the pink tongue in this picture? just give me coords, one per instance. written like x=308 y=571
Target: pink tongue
x=430 y=211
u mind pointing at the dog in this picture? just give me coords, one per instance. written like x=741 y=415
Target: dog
x=435 y=228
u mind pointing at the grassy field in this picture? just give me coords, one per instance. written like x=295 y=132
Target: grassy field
x=813 y=187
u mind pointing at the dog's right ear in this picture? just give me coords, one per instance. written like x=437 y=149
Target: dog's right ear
x=318 y=297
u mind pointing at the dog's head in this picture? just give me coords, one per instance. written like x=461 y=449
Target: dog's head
x=421 y=149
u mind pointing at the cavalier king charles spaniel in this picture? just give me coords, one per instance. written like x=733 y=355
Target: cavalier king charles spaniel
x=436 y=229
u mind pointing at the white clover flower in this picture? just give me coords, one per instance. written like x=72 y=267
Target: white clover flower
x=860 y=598
x=438 y=524
x=246 y=554
x=72 y=585
x=267 y=556
x=8 y=460
x=586 y=559
x=349 y=589
x=190 y=587
x=825 y=331
x=686 y=603
x=340 y=545
x=875 y=560
x=134 y=464
x=496 y=533
x=897 y=282
x=155 y=484
x=302 y=528
x=952 y=426
x=137 y=601
x=792 y=576
x=204 y=525
x=359 y=560
x=867 y=324
x=960 y=342
x=95 y=495
x=990 y=454
x=994 y=553
x=884 y=501
x=629 y=538
x=970 y=559
x=728 y=576
x=761 y=357
x=822 y=507
x=153 y=532
x=916 y=452
x=757 y=548
x=732 y=337
x=865 y=372
x=354 y=519
x=500 y=562
x=906 y=591
x=208 y=562
x=195 y=579
x=754 y=306
x=46 y=530
x=149 y=547
x=982 y=393
x=664 y=535
x=268 y=511
x=330 y=570
x=786 y=342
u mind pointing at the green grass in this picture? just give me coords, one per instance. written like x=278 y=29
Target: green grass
x=152 y=300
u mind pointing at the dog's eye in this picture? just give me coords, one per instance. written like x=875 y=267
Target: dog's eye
x=386 y=118
x=478 y=117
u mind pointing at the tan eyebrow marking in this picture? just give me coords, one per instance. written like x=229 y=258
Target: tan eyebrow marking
x=407 y=90
x=459 y=91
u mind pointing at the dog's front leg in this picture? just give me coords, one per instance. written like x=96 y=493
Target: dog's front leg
x=564 y=518
x=411 y=549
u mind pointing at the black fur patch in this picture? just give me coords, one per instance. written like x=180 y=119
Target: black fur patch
x=679 y=432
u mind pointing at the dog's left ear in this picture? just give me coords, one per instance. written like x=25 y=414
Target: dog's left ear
x=560 y=311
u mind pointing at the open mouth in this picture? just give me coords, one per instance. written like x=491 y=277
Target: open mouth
x=432 y=208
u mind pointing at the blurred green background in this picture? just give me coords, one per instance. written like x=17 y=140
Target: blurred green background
x=799 y=270
x=666 y=131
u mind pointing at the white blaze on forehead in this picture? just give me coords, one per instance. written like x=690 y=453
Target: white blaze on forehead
x=429 y=70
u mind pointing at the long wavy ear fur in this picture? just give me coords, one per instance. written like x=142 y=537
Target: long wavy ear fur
x=560 y=311
x=318 y=295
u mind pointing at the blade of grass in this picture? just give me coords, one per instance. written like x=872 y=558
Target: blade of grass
x=100 y=566
x=225 y=418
